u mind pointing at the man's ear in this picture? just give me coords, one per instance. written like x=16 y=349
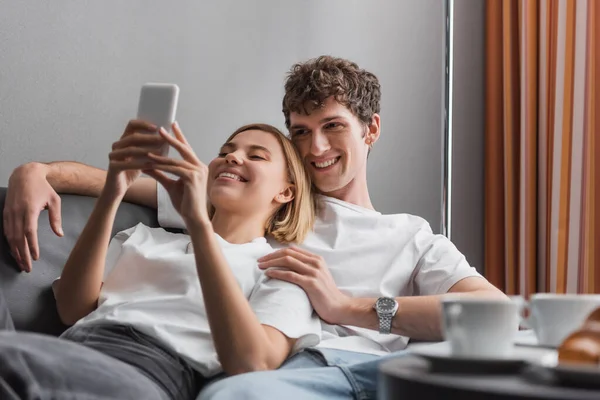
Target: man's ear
x=373 y=130
x=286 y=195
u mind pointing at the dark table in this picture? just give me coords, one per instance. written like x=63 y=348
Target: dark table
x=414 y=377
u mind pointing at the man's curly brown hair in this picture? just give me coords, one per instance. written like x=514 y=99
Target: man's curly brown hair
x=310 y=83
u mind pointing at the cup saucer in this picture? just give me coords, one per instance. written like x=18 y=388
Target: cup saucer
x=441 y=357
x=573 y=374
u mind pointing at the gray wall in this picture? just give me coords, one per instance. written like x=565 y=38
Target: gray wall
x=468 y=129
x=71 y=72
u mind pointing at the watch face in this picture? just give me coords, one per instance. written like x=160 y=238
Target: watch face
x=386 y=305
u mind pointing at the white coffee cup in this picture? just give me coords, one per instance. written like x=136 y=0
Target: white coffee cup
x=480 y=328
x=554 y=316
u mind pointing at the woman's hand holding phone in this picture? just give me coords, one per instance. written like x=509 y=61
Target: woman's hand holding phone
x=157 y=107
x=129 y=156
x=188 y=190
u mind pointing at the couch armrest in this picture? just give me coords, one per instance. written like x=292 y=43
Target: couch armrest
x=30 y=296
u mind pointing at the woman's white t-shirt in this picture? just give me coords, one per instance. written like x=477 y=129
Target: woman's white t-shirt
x=151 y=282
x=370 y=255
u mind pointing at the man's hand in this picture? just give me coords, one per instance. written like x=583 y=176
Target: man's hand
x=28 y=194
x=310 y=272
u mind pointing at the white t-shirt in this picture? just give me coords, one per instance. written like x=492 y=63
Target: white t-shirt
x=371 y=255
x=151 y=282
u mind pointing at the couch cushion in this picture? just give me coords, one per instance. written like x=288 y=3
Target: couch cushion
x=29 y=296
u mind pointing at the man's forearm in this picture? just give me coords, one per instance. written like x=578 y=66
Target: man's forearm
x=75 y=178
x=418 y=317
x=70 y=177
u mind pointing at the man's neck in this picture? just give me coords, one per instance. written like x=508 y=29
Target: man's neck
x=355 y=192
x=237 y=228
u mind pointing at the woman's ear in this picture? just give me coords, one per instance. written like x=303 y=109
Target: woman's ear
x=286 y=195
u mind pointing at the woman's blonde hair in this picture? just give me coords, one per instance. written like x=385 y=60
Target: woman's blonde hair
x=292 y=221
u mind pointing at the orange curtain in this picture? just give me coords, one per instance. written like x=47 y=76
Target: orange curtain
x=542 y=194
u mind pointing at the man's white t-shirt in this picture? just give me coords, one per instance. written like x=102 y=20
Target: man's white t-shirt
x=151 y=282
x=370 y=255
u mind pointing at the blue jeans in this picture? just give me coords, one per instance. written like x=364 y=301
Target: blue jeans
x=312 y=374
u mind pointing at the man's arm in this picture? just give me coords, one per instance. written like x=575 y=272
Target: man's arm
x=418 y=317
x=34 y=187
x=71 y=177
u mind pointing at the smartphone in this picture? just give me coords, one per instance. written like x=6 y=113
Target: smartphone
x=158 y=105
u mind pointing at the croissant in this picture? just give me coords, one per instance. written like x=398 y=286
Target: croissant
x=583 y=345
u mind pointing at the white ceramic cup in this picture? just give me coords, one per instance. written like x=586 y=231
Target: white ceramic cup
x=479 y=328
x=553 y=316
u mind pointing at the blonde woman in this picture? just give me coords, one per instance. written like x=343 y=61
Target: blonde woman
x=155 y=314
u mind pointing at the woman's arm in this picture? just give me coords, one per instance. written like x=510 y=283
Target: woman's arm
x=79 y=286
x=80 y=282
x=243 y=344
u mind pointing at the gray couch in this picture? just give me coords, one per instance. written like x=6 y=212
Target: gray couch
x=29 y=296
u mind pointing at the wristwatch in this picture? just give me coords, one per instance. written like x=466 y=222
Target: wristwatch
x=386 y=308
